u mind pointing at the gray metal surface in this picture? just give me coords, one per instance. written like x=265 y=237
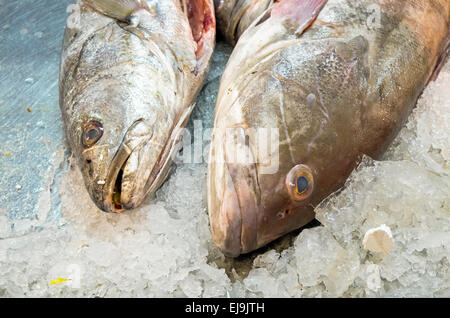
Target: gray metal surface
x=30 y=120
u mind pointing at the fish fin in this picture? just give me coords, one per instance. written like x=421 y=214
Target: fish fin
x=117 y=9
x=441 y=61
x=300 y=13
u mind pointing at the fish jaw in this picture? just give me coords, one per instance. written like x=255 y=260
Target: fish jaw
x=233 y=193
x=121 y=191
x=141 y=164
x=224 y=212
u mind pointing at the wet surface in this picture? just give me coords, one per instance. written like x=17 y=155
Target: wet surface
x=32 y=139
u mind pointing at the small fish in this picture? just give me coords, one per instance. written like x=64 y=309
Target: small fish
x=123 y=97
x=335 y=84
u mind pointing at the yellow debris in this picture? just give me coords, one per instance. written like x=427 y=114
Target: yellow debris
x=59 y=281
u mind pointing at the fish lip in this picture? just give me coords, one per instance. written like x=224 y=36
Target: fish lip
x=248 y=206
x=241 y=210
x=159 y=170
x=234 y=212
x=117 y=164
x=231 y=210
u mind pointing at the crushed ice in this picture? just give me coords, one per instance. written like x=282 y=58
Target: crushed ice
x=164 y=248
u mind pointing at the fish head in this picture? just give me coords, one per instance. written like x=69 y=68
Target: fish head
x=114 y=150
x=256 y=195
x=296 y=149
x=131 y=90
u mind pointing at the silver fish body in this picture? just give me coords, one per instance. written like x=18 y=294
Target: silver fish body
x=130 y=72
x=335 y=84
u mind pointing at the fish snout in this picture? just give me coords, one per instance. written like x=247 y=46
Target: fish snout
x=128 y=172
x=233 y=198
x=131 y=183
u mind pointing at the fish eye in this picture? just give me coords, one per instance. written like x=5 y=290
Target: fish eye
x=92 y=133
x=300 y=182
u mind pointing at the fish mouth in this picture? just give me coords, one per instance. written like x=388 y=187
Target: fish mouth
x=233 y=200
x=118 y=195
x=114 y=197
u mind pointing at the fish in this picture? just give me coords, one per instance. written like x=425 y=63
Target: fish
x=130 y=71
x=337 y=79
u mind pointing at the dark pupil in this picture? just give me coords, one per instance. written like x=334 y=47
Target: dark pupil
x=92 y=134
x=302 y=184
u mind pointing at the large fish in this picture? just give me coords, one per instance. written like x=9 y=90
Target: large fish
x=337 y=79
x=130 y=72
